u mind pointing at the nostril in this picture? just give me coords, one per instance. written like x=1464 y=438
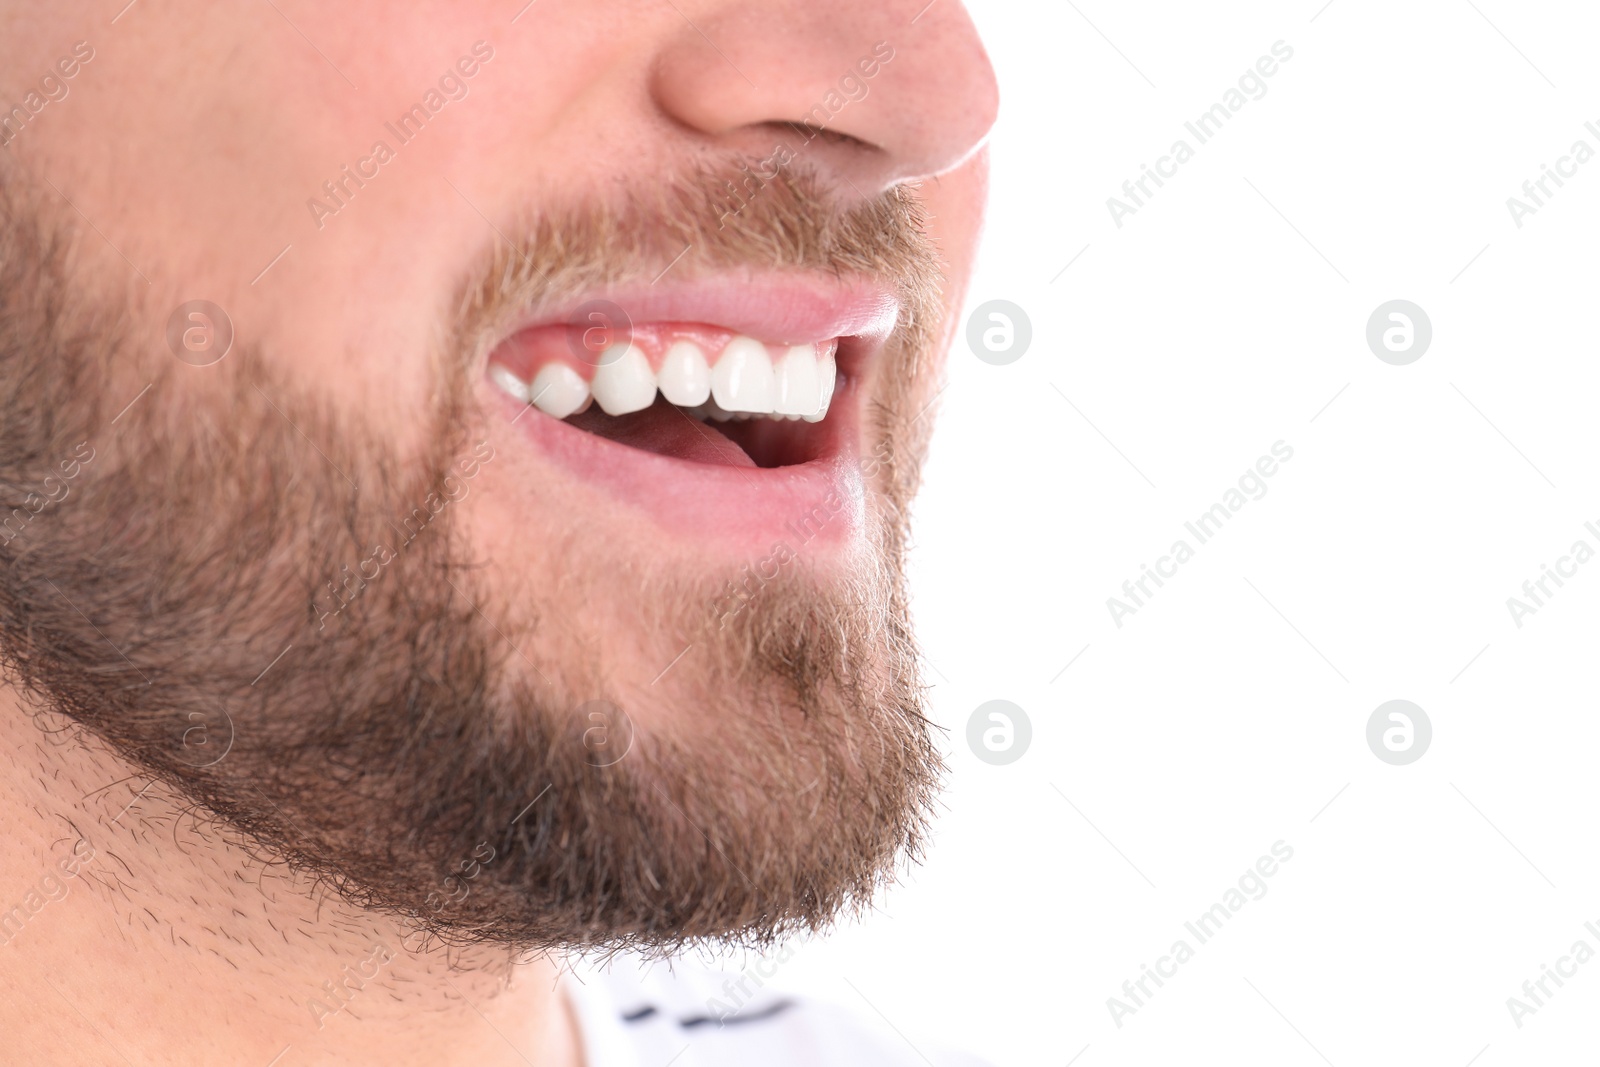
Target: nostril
x=807 y=132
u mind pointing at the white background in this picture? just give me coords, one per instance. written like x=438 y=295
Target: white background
x=1230 y=711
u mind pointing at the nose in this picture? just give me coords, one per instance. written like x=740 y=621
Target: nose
x=875 y=93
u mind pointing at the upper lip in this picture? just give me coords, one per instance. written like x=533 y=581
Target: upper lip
x=776 y=307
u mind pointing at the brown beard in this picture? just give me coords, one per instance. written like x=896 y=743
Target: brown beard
x=400 y=751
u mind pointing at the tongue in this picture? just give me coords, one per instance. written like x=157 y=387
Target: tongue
x=666 y=431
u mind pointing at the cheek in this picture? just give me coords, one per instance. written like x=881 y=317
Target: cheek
x=956 y=202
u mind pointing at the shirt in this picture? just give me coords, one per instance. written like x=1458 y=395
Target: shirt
x=672 y=1014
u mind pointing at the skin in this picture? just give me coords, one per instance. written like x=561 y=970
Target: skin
x=190 y=143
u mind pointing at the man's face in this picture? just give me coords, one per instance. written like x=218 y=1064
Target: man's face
x=289 y=278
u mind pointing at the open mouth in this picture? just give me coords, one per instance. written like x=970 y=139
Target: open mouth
x=726 y=408
x=690 y=391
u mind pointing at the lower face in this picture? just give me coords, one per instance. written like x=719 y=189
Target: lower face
x=624 y=608
x=548 y=505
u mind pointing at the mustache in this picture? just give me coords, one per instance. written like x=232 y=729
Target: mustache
x=732 y=214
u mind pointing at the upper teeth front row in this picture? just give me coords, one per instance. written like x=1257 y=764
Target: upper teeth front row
x=745 y=381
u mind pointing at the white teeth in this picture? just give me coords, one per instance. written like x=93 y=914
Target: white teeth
x=798 y=390
x=624 y=381
x=744 y=383
x=685 y=378
x=742 y=378
x=558 y=390
x=827 y=377
x=508 y=383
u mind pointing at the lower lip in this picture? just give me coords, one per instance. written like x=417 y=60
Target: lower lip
x=820 y=502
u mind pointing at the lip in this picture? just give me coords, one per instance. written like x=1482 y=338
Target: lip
x=782 y=308
x=820 y=502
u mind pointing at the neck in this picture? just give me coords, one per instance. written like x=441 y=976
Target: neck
x=133 y=928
